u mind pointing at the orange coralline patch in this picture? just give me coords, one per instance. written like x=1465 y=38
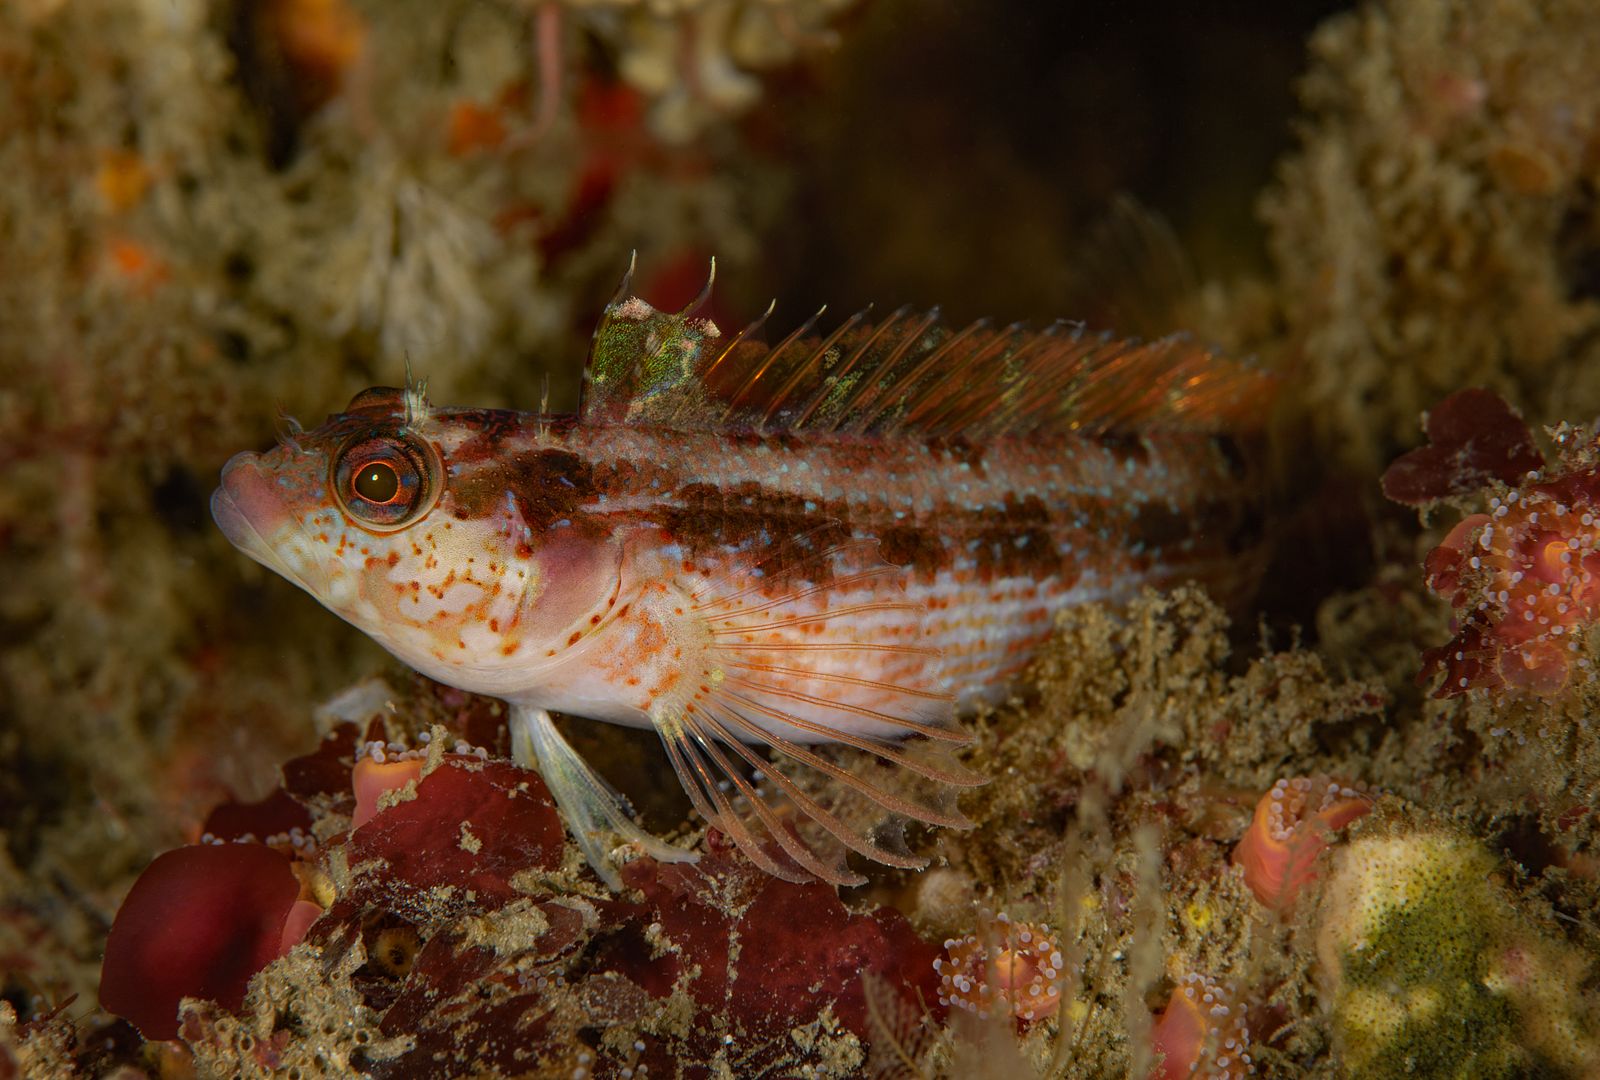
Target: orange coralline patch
x=320 y=39
x=1201 y=1033
x=1015 y=967
x=324 y=36
x=476 y=126
x=1293 y=823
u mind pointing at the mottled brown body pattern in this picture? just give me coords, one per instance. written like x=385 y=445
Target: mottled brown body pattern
x=1041 y=508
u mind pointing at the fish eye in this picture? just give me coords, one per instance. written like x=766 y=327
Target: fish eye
x=385 y=481
x=376 y=482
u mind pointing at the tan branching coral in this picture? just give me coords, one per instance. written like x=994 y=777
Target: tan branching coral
x=1436 y=229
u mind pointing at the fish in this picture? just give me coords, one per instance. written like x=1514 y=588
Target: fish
x=767 y=552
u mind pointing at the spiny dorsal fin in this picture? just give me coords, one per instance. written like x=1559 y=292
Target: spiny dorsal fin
x=907 y=374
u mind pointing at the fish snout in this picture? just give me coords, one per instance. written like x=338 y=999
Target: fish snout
x=257 y=506
x=243 y=502
x=254 y=504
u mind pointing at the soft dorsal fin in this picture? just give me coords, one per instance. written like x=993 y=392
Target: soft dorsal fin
x=906 y=374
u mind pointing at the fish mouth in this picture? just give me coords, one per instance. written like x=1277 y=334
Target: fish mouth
x=242 y=482
x=234 y=525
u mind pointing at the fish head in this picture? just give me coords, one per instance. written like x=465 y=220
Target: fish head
x=454 y=538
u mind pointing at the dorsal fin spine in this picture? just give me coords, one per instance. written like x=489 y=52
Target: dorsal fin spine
x=905 y=374
x=772 y=357
x=749 y=328
x=862 y=401
x=1041 y=379
x=826 y=390
x=940 y=403
x=1089 y=398
x=923 y=413
x=809 y=368
x=1073 y=368
x=625 y=286
x=912 y=377
x=703 y=295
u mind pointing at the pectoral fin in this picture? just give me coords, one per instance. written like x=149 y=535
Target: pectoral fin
x=812 y=641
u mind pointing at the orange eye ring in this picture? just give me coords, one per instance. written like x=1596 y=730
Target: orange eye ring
x=385 y=480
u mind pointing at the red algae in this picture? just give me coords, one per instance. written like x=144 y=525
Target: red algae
x=464 y=931
x=276 y=815
x=1474 y=438
x=782 y=950
x=1292 y=826
x=437 y=848
x=199 y=922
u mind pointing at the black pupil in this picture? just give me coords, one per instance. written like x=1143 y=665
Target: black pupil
x=377 y=482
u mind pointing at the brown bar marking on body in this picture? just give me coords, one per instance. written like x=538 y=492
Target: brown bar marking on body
x=492 y=428
x=921 y=548
x=709 y=519
x=1017 y=540
x=548 y=485
x=960 y=449
x=1124 y=447
x=1157 y=525
x=621 y=477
